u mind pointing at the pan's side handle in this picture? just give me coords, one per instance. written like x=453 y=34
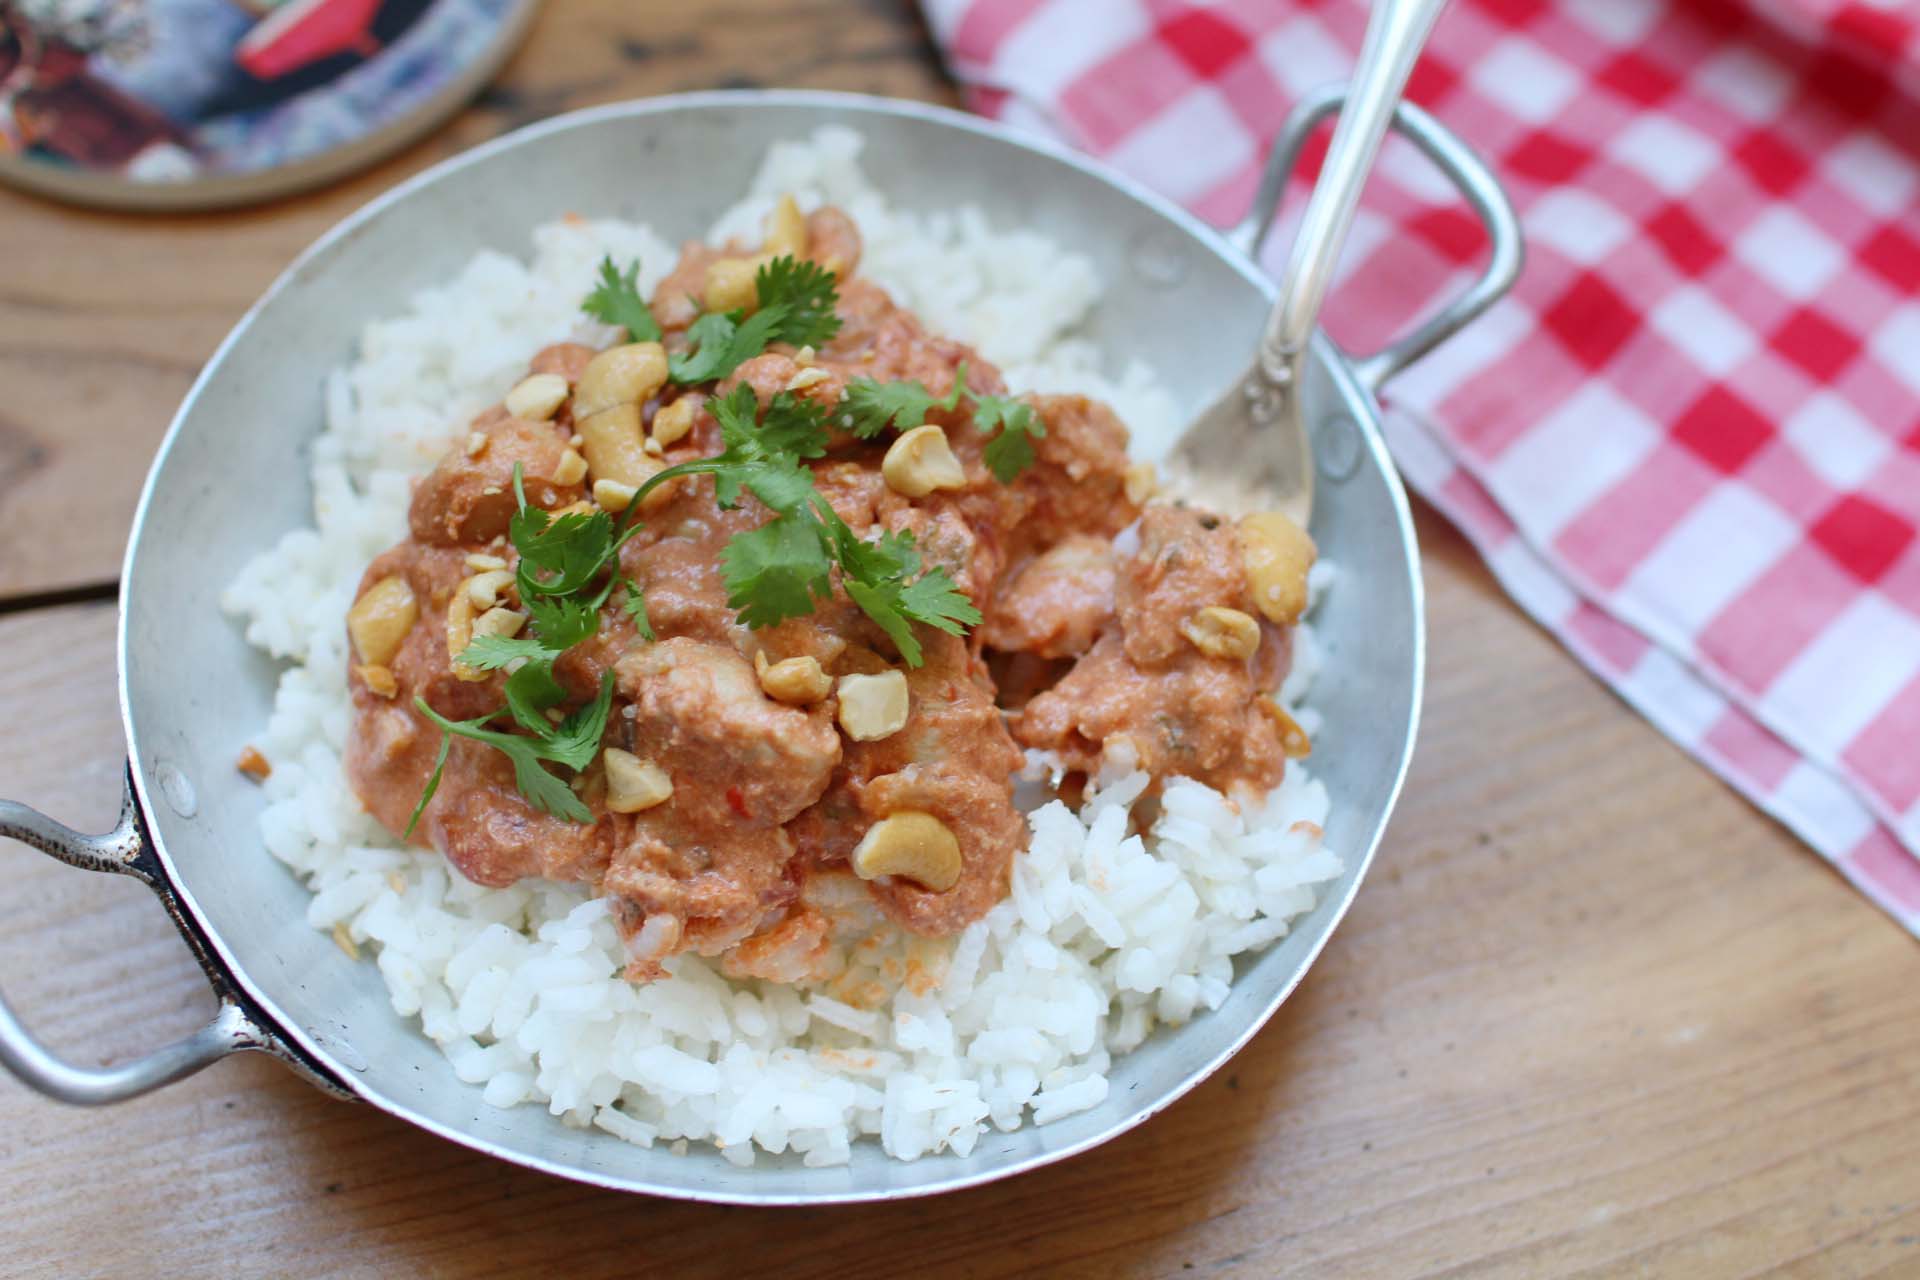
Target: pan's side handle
x=119 y=850
x=1476 y=184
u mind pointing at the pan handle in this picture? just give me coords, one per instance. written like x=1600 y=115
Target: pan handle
x=1477 y=186
x=119 y=850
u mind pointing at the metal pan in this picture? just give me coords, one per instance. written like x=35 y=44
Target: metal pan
x=231 y=477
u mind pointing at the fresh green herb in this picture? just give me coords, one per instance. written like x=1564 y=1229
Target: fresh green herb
x=802 y=294
x=635 y=608
x=571 y=743
x=1010 y=452
x=883 y=577
x=871 y=407
x=723 y=341
x=780 y=569
x=616 y=300
x=795 y=304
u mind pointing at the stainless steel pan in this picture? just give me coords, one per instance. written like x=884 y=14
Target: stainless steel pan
x=231 y=477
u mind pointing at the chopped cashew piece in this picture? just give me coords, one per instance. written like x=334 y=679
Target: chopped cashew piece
x=612 y=496
x=921 y=461
x=1293 y=739
x=1275 y=554
x=460 y=635
x=1141 y=483
x=500 y=621
x=807 y=377
x=912 y=845
x=672 y=423
x=537 y=398
x=379 y=680
x=477 y=442
x=786 y=230
x=484 y=588
x=1222 y=633
x=872 y=707
x=381 y=618
x=634 y=784
x=481 y=560
x=796 y=681
x=628 y=374
x=572 y=468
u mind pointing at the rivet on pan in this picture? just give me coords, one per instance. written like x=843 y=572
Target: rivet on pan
x=1336 y=447
x=175 y=789
x=1158 y=257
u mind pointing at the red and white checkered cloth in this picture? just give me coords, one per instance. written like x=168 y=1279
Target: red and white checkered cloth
x=1689 y=441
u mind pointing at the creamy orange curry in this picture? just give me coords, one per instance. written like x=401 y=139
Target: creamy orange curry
x=717 y=765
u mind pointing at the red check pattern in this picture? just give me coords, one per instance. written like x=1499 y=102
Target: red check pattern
x=1689 y=441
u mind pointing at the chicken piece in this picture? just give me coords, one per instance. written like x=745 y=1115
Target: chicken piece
x=467 y=500
x=1078 y=480
x=1054 y=605
x=1146 y=696
x=953 y=760
x=713 y=856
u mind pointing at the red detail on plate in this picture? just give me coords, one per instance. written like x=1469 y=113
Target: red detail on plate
x=302 y=32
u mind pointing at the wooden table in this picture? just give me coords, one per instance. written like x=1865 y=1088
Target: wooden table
x=1592 y=1014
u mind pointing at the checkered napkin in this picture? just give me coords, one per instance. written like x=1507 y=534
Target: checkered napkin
x=1689 y=441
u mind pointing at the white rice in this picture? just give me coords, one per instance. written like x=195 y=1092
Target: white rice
x=919 y=1043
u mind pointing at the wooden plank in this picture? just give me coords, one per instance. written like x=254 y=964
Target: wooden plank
x=1591 y=1015
x=105 y=323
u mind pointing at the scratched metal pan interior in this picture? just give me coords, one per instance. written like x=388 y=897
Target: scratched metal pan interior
x=233 y=476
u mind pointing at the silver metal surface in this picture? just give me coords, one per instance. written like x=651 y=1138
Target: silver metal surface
x=1257 y=415
x=232 y=476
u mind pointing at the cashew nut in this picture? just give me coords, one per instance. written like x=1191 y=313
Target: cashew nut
x=786 y=230
x=1275 y=554
x=379 y=620
x=634 y=784
x=499 y=621
x=872 y=707
x=912 y=845
x=572 y=468
x=1294 y=743
x=620 y=375
x=796 y=681
x=921 y=461
x=731 y=284
x=672 y=423
x=1222 y=633
x=538 y=397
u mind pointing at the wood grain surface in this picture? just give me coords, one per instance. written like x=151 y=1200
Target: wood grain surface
x=1591 y=1014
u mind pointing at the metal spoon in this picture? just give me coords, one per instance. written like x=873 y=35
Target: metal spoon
x=1252 y=440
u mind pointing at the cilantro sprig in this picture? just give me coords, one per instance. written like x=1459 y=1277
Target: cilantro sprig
x=561 y=586
x=870 y=407
x=795 y=302
x=616 y=300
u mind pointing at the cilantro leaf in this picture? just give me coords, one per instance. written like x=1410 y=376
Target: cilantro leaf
x=541 y=789
x=561 y=622
x=879 y=576
x=616 y=300
x=576 y=741
x=1010 y=452
x=723 y=342
x=871 y=407
x=491 y=653
x=530 y=691
x=935 y=600
x=774 y=572
x=764 y=457
x=804 y=293
x=636 y=608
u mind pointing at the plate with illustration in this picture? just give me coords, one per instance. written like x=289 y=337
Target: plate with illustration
x=179 y=104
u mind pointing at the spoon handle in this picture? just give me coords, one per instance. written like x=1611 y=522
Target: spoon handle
x=1396 y=32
